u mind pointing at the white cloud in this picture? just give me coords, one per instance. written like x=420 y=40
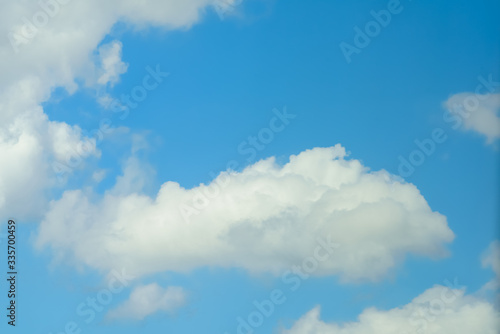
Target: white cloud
x=112 y=65
x=60 y=50
x=49 y=44
x=491 y=259
x=145 y=300
x=479 y=113
x=28 y=145
x=439 y=310
x=264 y=219
x=99 y=175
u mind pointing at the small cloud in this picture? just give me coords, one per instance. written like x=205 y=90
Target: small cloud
x=99 y=175
x=112 y=65
x=491 y=259
x=476 y=112
x=149 y=299
x=105 y=100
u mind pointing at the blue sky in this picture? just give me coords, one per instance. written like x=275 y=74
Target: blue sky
x=235 y=68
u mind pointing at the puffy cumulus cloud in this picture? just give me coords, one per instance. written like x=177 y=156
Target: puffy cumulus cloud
x=145 y=300
x=31 y=144
x=29 y=147
x=54 y=43
x=439 y=310
x=53 y=39
x=264 y=219
x=476 y=112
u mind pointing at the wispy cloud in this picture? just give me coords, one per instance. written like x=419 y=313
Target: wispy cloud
x=479 y=113
x=148 y=299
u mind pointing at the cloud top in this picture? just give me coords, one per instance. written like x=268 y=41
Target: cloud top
x=263 y=219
